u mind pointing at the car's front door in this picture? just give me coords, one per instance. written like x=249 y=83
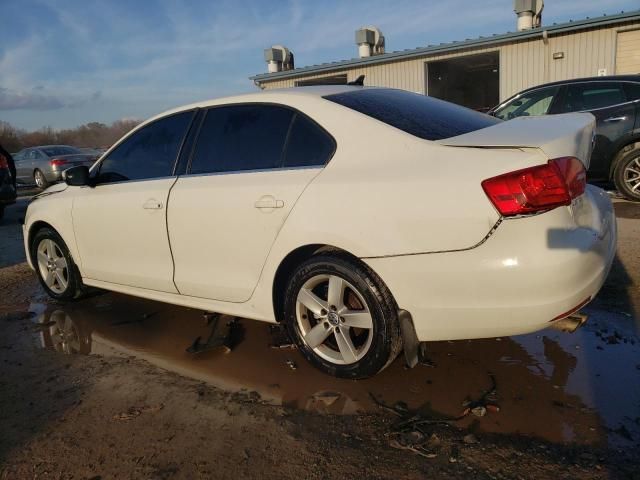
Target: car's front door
x=120 y=224
x=249 y=167
x=615 y=116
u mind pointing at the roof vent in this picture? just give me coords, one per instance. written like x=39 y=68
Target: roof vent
x=278 y=59
x=529 y=13
x=370 y=41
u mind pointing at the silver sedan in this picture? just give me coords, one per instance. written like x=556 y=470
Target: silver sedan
x=44 y=165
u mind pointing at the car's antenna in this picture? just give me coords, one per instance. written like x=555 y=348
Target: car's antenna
x=358 y=81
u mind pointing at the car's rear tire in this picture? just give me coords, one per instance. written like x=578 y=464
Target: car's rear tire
x=40 y=180
x=626 y=175
x=57 y=272
x=342 y=316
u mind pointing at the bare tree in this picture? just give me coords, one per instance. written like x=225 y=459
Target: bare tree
x=91 y=135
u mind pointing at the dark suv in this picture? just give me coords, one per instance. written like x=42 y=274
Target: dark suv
x=614 y=101
x=7 y=185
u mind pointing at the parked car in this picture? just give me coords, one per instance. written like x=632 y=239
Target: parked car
x=365 y=219
x=614 y=101
x=44 y=165
x=7 y=188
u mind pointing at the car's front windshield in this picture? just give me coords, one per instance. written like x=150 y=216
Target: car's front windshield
x=535 y=102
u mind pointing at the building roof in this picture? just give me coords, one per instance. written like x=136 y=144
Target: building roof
x=453 y=46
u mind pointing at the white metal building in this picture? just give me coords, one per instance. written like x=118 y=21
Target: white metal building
x=481 y=72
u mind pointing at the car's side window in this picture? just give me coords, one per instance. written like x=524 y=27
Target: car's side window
x=149 y=153
x=589 y=96
x=632 y=90
x=536 y=102
x=241 y=137
x=308 y=144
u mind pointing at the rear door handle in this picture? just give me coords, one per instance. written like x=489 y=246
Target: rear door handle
x=268 y=202
x=615 y=119
x=152 y=204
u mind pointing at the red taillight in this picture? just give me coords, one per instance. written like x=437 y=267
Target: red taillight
x=4 y=163
x=574 y=175
x=538 y=188
x=56 y=162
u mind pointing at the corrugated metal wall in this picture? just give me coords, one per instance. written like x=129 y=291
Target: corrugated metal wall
x=628 y=52
x=522 y=64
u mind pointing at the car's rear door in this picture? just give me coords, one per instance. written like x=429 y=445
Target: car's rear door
x=23 y=167
x=615 y=116
x=250 y=164
x=120 y=224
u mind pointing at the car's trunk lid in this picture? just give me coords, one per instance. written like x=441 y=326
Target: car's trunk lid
x=78 y=159
x=564 y=135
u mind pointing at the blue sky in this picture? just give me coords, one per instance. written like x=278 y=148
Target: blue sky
x=65 y=63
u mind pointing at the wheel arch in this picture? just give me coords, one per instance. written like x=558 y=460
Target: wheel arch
x=287 y=266
x=34 y=228
x=631 y=143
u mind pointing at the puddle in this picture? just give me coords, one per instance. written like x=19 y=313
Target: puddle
x=561 y=387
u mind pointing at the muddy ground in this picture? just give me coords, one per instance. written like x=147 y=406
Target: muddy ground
x=104 y=388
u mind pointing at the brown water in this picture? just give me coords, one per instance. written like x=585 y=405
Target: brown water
x=552 y=385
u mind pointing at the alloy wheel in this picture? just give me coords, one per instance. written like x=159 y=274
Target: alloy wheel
x=53 y=266
x=64 y=334
x=39 y=178
x=631 y=176
x=334 y=319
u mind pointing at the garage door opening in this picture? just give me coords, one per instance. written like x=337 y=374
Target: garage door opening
x=472 y=81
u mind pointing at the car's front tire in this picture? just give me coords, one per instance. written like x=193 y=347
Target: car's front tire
x=342 y=316
x=626 y=175
x=54 y=265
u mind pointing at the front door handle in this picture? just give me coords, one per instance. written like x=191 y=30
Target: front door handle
x=615 y=119
x=152 y=204
x=268 y=202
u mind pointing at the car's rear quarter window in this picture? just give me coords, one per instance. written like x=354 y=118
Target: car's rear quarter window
x=308 y=144
x=422 y=116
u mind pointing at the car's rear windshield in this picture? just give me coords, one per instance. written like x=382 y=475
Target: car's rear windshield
x=420 y=115
x=51 y=151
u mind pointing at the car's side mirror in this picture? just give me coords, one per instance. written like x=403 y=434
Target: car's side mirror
x=77 y=176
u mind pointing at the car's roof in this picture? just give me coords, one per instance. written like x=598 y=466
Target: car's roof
x=607 y=78
x=261 y=96
x=53 y=146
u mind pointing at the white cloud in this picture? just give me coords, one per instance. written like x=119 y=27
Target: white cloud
x=163 y=54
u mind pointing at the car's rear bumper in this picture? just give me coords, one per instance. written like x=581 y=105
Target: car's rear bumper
x=53 y=176
x=528 y=272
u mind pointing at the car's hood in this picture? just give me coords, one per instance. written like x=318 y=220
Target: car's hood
x=569 y=134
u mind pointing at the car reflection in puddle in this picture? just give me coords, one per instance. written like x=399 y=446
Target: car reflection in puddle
x=582 y=387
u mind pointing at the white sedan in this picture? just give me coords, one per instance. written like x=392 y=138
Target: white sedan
x=362 y=218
